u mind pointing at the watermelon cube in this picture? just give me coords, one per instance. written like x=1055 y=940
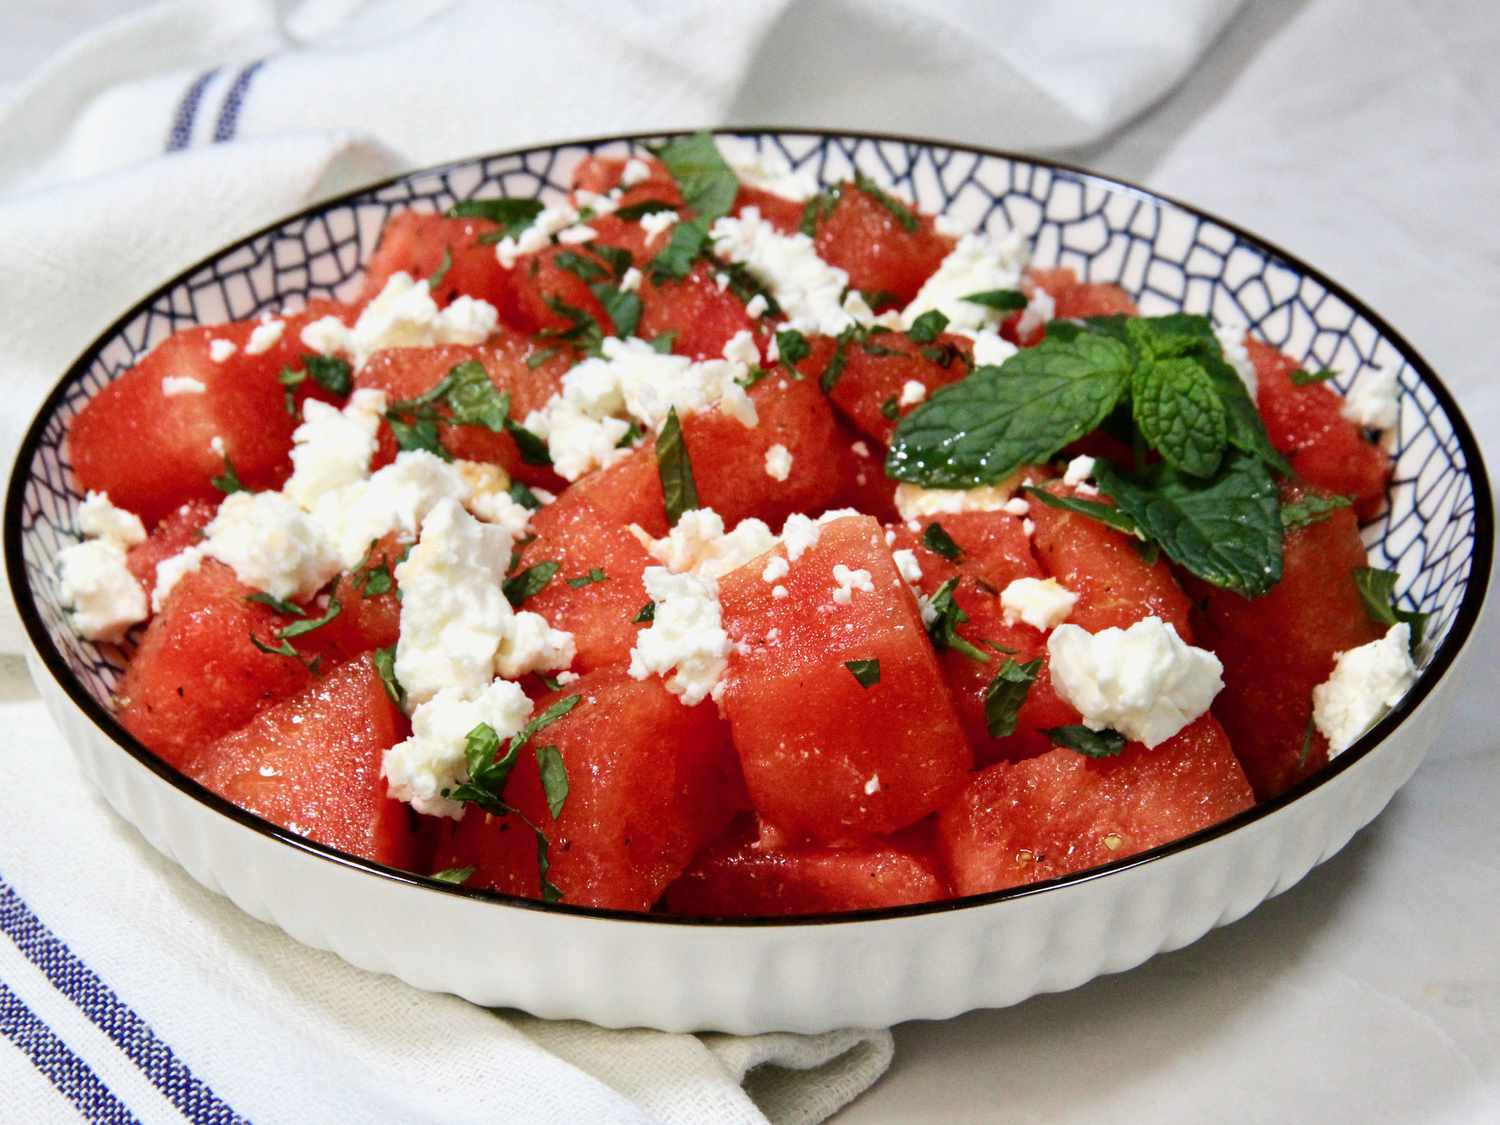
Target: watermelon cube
x=415 y=243
x=872 y=388
x=703 y=316
x=886 y=255
x=177 y=531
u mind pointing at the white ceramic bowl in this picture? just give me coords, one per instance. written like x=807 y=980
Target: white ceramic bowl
x=805 y=974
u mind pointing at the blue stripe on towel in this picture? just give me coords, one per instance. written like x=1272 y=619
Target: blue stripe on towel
x=74 y=1078
x=229 y=112
x=181 y=134
x=80 y=984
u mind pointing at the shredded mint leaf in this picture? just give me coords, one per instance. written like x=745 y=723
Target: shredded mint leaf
x=442 y=271
x=228 y=482
x=836 y=363
x=792 y=347
x=707 y=183
x=982 y=429
x=417 y=433
x=550 y=891
x=298 y=628
x=512 y=214
x=524 y=496
x=280 y=605
x=684 y=244
x=536 y=359
x=818 y=208
x=1377 y=589
x=617 y=258
x=899 y=211
x=458 y=876
x=891 y=409
x=529 y=582
x=878 y=299
x=632 y=434
x=594 y=575
x=634 y=211
x=385 y=663
x=1226 y=530
x=1179 y=413
x=583 y=332
x=585 y=269
x=1090 y=743
x=927 y=327
x=1311 y=508
x=679 y=491
x=937 y=540
x=662 y=344
x=865 y=672
x=374 y=581
x=284 y=648
x=554 y=774
x=623 y=309
x=1006 y=693
x=647 y=614
x=1001 y=300
x=552 y=714
x=1110 y=517
x=532 y=448
x=943 y=629
x=1307 y=739
x=1308 y=378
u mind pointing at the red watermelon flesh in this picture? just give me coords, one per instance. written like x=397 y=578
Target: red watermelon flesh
x=368 y=618
x=196 y=675
x=865 y=239
x=537 y=294
x=737 y=877
x=649 y=783
x=703 y=316
x=311 y=764
x=1324 y=447
x=876 y=371
x=1278 y=647
x=415 y=243
x=825 y=758
x=177 y=531
x=1025 y=822
x=863 y=484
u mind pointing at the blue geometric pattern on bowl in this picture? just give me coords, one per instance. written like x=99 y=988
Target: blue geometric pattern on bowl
x=1167 y=256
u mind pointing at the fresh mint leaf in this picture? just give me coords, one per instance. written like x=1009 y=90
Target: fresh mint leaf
x=617 y=258
x=280 y=605
x=632 y=212
x=623 y=309
x=594 y=575
x=384 y=660
x=633 y=433
x=899 y=210
x=334 y=375
x=675 y=261
x=937 y=540
x=228 y=482
x=947 y=616
x=1006 y=693
x=512 y=214
x=1226 y=530
x=879 y=299
x=983 y=428
x=1001 y=300
x=1311 y=508
x=818 y=208
x=536 y=359
x=865 y=672
x=524 y=496
x=471 y=398
x=927 y=327
x=836 y=363
x=417 y=432
x=583 y=332
x=529 y=582
x=646 y=615
x=1178 y=411
x=442 y=271
x=679 y=490
x=283 y=648
x=374 y=581
x=662 y=345
x=554 y=774
x=532 y=448
x=707 y=183
x=298 y=628
x=1090 y=743
x=552 y=714
x=1110 y=517
x=743 y=283
x=792 y=347
x=1245 y=429
x=1377 y=589
x=550 y=890
x=458 y=876
x=1308 y=378
x=585 y=269
x=891 y=409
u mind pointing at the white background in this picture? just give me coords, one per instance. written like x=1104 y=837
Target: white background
x=1363 y=136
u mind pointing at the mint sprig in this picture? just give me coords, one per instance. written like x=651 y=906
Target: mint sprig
x=1006 y=693
x=1377 y=590
x=673 y=466
x=707 y=183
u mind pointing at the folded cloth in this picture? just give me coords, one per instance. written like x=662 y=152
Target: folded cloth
x=139 y=149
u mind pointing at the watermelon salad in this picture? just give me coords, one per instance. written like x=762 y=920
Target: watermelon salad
x=713 y=544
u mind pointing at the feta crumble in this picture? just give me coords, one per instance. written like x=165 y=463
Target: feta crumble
x=536 y=236
x=103 y=598
x=220 y=349
x=1078 y=471
x=778 y=462
x=270 y=544
x=1042 y=603
x=685 y=642
x=636 y=171
x=430 y=762
x=808 y=289
x=990 y=348
x=98 y=518
x=912 y=392
x=1144 y=681
x=1374 y=400
x=980 y=262
x=907 y=566
x=699 y=544
x=266 y=335
x=403 y=315
x=775 y=570
x=332 y=447
x=657 y=223
x=913 y=501
x=174 y=385
x=847 y=581
x=171 y=571
x=1038 y=313
x=1366 y=682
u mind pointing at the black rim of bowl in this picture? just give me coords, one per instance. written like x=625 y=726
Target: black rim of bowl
x=1458 y=634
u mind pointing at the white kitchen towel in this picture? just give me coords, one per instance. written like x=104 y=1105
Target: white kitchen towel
x=123 y=985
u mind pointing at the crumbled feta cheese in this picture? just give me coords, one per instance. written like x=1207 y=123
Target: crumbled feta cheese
x=1028 y=527
x=566 y=678
x=778 y=592
x=1040 y=309
x=741 y=348
x=980 y=262
x=907 y=566
x=686 y=637
x=847 y=581
x=103 y=598
x=598 y=204
x=872 y=786
x=1374 y=400
x=453 y=613
x=1043 y=603
x=431 y=762
x=860 y=449
x=912 y=392
x=800 y=533
x=990 y=348
x=174 y=385
x=577 y=235
x=809 y=290
x=271 y=544
x=333 y=447
x=396 y=498
x=98 y=518
x=217 y=447
x=537 y=236
x=1078 y=471
x=1144 y=681
x=775 y=570
x=529 y=644
x=171 y=571
x=631 y=282
x=488 y=496
x=220 y=349
x=1015 y=506
x=326 y=336
x=1366 y=682
x=778 y=462
x=657 y=223
x=404 y=315
x=698 y=544
x=768 y=171
x=1231 y=337
x=756 y=306
x=267 y=335
x=635 y=171
x=914 y=501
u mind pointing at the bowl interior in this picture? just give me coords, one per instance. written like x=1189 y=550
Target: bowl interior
x=1435 y=532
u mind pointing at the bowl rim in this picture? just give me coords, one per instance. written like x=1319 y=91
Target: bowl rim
x=1465 y=619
